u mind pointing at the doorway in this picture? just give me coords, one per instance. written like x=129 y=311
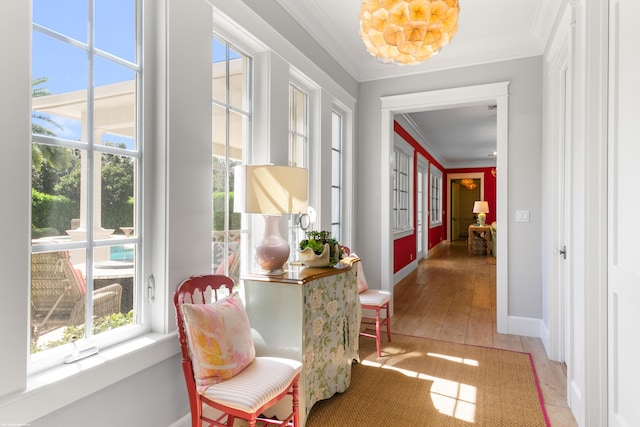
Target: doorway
x=463 y=213
x=434 y=100
x=461 y=201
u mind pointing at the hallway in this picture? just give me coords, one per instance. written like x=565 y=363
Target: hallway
x=452 y=297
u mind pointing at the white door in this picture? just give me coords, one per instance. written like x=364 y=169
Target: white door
x=558 y=116
x=624 y=209
x=455 y=211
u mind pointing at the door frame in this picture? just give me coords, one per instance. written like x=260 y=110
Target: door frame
x=451 y=177
x=423 y=168
x=435 y=100
x=558 y=115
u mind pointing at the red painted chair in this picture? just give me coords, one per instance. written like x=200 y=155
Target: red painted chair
x=373 y=300
x=245 y=394
x=376 y=300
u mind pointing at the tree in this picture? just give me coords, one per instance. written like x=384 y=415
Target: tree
x=117 y=190
x=48 y=162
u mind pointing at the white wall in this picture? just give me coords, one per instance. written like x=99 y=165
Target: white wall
x=525 y=139
x=154 y=397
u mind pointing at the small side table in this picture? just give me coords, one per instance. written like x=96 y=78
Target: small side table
x=483 y=231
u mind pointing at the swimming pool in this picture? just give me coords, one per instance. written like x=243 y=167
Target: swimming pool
x=121 y=253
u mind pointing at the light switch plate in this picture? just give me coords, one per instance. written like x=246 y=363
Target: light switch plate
x=522 y=216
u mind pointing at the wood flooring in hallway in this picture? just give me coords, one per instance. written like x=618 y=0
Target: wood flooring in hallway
x=452 y=297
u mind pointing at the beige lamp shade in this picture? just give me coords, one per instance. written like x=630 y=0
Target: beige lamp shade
x=481 y=207
x=270 y=189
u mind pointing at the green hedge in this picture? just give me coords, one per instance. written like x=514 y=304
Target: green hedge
x=114 y=217
x=218 y=206
x=52 y=215
x=52 y=212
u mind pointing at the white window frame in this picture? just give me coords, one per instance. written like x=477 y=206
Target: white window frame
x=403 y=184
x=248 y=113
x=294 y=156
x=337 y=168
x=435 y=195
x=347 y=167
x=55 y=356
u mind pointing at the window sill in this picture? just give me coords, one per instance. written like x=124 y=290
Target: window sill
x=399 y=234
x=58 y=387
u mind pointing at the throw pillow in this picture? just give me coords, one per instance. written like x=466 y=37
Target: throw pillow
x=219 y=339
x=362 y=281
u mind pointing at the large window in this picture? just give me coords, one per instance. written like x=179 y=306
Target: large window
x=435 y=176
x=336 y=175
x=231 y=134
x=402 y=187
x=400 y=190
x=298 y=127
x=86 y=174
x=298 y=150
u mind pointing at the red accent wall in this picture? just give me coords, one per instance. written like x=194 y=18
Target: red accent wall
x=404 y=249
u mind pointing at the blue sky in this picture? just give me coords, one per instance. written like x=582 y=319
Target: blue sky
x=66 y=66
x=114 y=33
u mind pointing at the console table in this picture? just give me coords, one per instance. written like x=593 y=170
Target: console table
x=483 y=231
x=311 y=315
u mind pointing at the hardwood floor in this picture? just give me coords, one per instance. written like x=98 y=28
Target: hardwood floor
x=452 y=297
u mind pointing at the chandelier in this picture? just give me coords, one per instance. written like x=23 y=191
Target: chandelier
x=407 y=32
x=468 y=183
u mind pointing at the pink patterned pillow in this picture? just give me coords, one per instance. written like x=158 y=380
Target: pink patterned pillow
x=219 y=339
x=362 y=282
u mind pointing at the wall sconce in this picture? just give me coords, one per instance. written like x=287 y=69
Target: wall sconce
x=481 y=208
x=270 y=190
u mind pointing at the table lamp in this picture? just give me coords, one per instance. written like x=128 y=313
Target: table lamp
x=481 y=208
x=270 y=190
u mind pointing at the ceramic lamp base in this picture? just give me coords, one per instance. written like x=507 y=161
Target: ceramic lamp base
x=482 y=218
x=273 y=251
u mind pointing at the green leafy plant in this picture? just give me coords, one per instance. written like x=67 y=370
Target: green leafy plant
x=316 y=241
x=100 y=324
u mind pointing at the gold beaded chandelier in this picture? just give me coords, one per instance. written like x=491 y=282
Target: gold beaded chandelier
x=407 y=32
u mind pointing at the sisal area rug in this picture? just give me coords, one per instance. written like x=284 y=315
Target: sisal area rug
x=423 y=382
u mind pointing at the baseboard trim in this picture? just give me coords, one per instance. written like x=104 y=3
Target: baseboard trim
x=437 y=248
x=545 y=336
x=576 y=403
x=405 y=271
x=525 y=326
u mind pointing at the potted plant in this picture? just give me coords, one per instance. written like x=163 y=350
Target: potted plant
x=319 y=249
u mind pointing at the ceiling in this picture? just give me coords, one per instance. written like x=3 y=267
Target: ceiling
x=488 y=31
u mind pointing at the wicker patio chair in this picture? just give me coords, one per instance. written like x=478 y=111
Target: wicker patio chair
x=58 y=294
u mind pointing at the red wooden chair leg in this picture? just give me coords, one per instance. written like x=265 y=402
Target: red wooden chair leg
x=388 y=323
x=296 y=417
x=378 y=331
